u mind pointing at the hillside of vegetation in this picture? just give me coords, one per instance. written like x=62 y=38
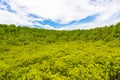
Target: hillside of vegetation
x=39 y=54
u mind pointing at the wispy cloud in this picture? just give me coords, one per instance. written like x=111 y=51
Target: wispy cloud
x=60 y=14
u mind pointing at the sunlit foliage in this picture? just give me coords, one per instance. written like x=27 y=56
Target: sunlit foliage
x=39 y=54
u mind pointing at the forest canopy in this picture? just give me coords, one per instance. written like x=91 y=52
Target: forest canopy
x=26 y=34
x=39 y=54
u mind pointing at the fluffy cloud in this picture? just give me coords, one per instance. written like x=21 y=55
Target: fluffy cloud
x=61 y=12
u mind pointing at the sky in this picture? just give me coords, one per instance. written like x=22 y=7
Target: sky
x=60 y=14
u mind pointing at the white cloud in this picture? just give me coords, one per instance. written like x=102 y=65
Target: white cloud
x=62 y=11
x=11 y=18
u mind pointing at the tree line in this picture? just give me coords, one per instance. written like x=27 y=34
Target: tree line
x=15 y=35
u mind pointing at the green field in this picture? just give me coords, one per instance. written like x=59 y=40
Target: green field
x=38 y=54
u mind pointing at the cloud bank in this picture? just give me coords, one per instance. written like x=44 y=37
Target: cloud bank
x=60 y=14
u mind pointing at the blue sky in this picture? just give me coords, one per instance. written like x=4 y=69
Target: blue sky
x=60 y=14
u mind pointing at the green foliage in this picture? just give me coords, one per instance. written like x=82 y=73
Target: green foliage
x=39 y=54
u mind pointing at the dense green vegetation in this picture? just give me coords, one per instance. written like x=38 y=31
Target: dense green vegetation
x=39 y=54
